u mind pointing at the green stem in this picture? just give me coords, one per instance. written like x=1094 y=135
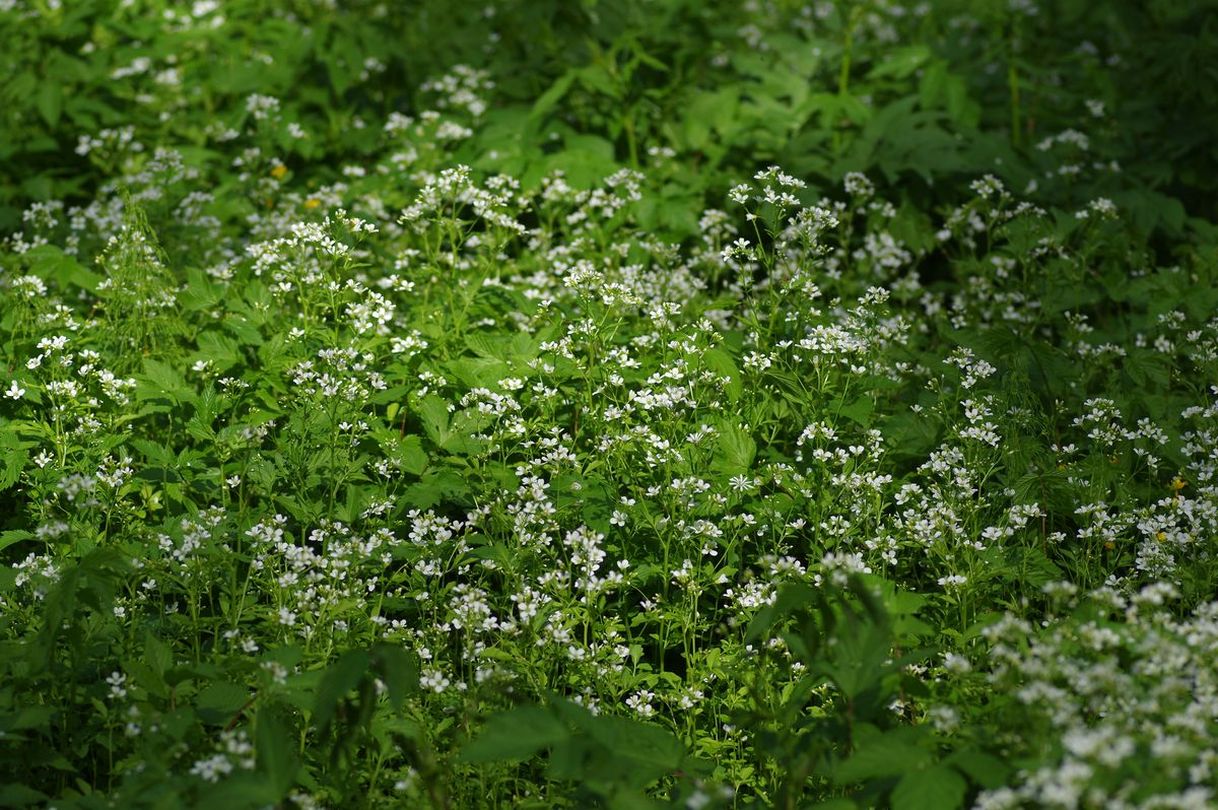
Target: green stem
x=843 y=76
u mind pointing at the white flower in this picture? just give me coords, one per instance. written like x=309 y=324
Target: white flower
x=14 y=391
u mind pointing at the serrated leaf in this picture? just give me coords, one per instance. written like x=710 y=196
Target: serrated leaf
x=161 y=380
x=398 y=669
x=157 y=654
x=514 y=735
x=721 y=362
x=340 y=678
x=218 y=702
x=15 y=461
x=49 y=101
x=13 y=536
x=858 y=410
x=984 y=769
x=433 y=412
x=878 y=756
x=412 y=456
x=935 y=788
x=275 y=744
x=15 y=794
x=735 y=449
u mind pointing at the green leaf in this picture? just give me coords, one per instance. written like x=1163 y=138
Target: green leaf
x=984 y=769
x=275 y=744
x=15 y=794
x=935 y=788
x=157 y=655
x=735 y=449
x=858 y=411
x=649 y=750
x=901 y=63
x=49 y=101
x=878 y=756
x=791 y=597
x=436 y=486
x=515 y=735
x=341 y=677
x=163 y=381
x=413 y=458
x=218 y=702
x=56 y=266
x=433 y=412
x=13 y=536
x=220 y=349
x=721 y=362
x=398 y=669
x=550 y=98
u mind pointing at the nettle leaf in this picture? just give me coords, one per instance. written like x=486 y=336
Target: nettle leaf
x=221 y=350
x=647 y=751
x=341 y=677
x=163 y=381
x=515 y=735
x=901 y=63
x=49 y=101
x=398 y=670
x=478 y=372
x=984 y=769
x=433 y=412
x=881 y=755
x=275 y=742
x=735 y=449
x=858 y=410
x=936 y=788
x=435 y=486
x=13 y=536
x=721 y=362
x=52 y=264
x=15 y=461
x=15 y=794
x=219 y=702
x=412 y=456
x=550 y=98
x=515 y=348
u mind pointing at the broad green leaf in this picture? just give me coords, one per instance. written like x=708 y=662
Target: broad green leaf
x=735 y=449
x=218 y=702
x=721 y=362
x=12 y=536
x=398 y=669
x=516 y=734
x=413 y=458
x=935 y=788
x=163 y=381
x=984 y=769
x=339 y=678
x=49 y=101
x=275 y=744
x=878 y=756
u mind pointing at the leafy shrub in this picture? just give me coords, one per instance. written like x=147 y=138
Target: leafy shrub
x=671 y=404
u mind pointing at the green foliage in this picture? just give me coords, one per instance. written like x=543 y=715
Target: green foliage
x=607 y=404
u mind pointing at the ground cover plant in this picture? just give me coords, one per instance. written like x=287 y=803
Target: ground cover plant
x=631 y=404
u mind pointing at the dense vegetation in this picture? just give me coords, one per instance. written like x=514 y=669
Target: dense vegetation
x=609 y=404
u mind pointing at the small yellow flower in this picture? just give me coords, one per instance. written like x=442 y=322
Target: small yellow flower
x=1161 y=536
x=312 y=203
x=1108 y=544
x=1178 y=483
x=279 y=172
